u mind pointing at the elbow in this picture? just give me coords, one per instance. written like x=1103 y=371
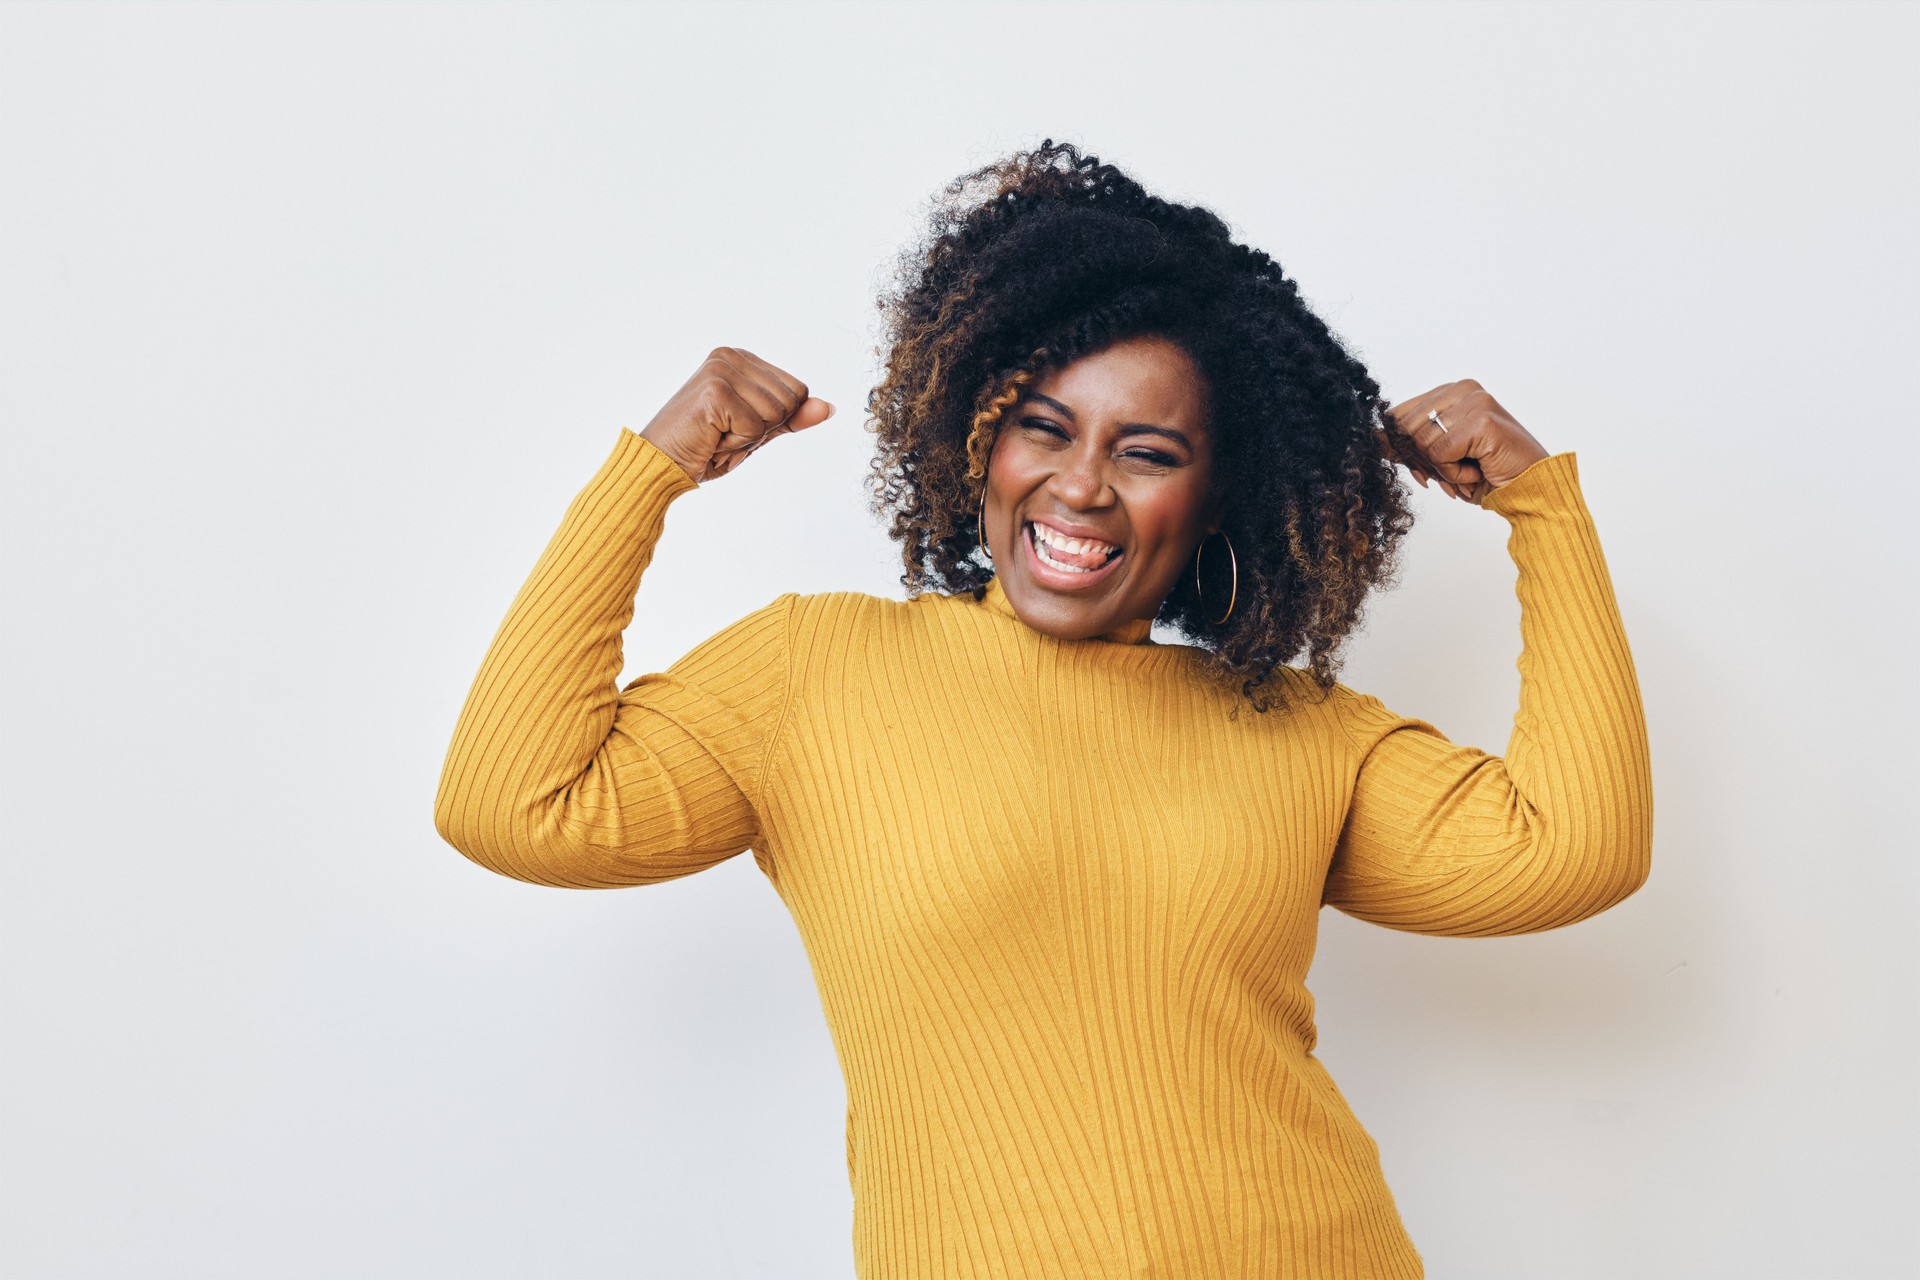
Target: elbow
x=1614 y=862
x=534 y=843
x=1576 y=873
x=486 y=834
x=1600 y=850
x=1633 y=837
x=453 y=821
x=463 y=816
x=1628 y=870
x=1639 y=864
x=460 y=823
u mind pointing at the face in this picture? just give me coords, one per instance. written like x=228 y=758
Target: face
x=1113 y=449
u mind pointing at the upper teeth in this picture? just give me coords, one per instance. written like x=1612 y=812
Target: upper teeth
x=1079 y=546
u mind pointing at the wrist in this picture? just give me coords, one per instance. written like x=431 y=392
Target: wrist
x=1518 y=468
x=694 y=471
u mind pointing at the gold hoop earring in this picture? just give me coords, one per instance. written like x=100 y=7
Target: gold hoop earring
x=1198 y=591
x=979 y=526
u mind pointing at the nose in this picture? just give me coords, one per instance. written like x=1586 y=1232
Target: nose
x=1081 y=481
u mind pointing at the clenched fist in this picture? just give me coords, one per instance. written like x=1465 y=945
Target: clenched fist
x=734 y=403
x=1474 y=448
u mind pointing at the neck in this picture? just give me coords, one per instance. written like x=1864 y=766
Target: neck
x=1132 y=631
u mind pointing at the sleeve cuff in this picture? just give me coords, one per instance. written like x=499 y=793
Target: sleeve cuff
x=648 y=463
x=1548 y=486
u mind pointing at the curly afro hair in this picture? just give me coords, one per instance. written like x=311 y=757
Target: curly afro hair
x=1049 y=255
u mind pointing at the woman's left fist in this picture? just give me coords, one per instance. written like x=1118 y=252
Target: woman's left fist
x=1474 y=448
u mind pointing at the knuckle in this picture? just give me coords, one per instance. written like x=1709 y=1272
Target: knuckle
x=712 y=393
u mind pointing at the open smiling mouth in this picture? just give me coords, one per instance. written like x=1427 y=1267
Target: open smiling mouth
x=1068 y=563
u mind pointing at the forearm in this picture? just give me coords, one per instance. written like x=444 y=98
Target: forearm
x=1578 y=757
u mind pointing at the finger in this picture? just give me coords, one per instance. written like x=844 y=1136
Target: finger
x=1461 y=473
x=737 y=445
x=742 y=423
x=757 y=385
x=1437 y=433
x=793 y=390
x=1408 y=414
x=812 y=412
x=1398 y=447
x=783 y=392
x=1448 y=442
x=1415 y=419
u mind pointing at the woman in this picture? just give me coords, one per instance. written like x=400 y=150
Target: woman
x=1059 y=896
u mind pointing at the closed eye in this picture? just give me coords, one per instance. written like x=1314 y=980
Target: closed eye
x=1145 y=455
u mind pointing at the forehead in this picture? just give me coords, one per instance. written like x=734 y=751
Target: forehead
x=1135 y=380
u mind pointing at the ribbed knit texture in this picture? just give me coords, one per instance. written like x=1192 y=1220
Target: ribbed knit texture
x=1059 y=906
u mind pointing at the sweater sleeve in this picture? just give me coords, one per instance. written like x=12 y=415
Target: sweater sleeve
x=1447 y=839
x=557 y=776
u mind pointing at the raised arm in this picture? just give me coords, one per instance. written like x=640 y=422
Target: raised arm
x=558 y=776
x=1447 y=839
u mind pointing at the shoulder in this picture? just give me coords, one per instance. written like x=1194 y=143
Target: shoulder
x=1299 y=708
x=854 y=606
x=840 y=619
x=1364 y=720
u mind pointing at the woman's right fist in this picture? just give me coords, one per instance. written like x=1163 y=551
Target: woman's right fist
x=733 y=404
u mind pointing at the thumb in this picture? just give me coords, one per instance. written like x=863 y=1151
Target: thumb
x=812 y=412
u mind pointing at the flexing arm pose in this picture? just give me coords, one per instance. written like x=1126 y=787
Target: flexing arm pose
x=558 y=776
x=1447 y=839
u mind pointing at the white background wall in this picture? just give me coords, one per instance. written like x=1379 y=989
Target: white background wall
x=316 y=317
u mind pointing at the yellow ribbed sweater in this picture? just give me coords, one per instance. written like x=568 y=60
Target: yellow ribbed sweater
x=1059 y=906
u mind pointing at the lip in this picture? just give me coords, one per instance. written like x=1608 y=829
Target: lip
x=1062 y=579
x=1074 y=530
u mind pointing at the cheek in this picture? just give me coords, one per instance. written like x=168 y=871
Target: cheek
x=1166 y=520
x=1008 y=448
x=1013 y=468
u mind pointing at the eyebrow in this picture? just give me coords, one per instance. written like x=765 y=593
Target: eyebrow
x=1126 y=428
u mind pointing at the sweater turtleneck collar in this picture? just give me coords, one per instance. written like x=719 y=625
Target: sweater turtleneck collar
x=1132 y=631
